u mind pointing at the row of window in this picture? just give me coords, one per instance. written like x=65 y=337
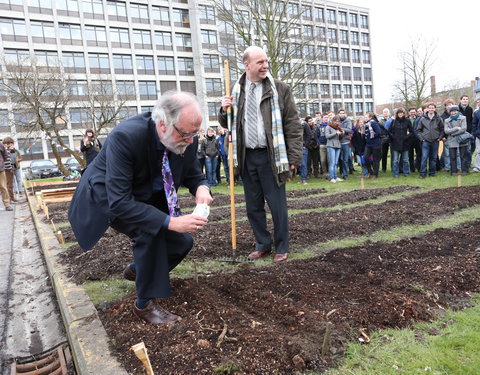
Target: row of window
x=44 y=32
x=330 y=15
x=334 y=90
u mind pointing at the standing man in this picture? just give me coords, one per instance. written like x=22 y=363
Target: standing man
x=3 y=179
x=476 y=134
x=430 y=131
x=131 y=186
x=467 y=111
x=415 y=150
x=267 y=145
x=346 y=151
x=385 y=122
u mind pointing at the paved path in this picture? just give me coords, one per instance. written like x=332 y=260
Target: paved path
x=30 y=321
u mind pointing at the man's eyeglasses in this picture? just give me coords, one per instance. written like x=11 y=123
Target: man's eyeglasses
x=185 y=135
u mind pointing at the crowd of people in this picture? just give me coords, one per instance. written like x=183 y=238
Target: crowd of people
x=11 y=187
x=419 y=140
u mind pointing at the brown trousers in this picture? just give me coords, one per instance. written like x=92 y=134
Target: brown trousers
x=10 y=175
x=3 y=189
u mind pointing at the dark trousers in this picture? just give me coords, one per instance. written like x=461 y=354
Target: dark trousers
x=415 y=155
x=260 y=185
x=314 y=162
x=154 y=258
x=463 y=159
x=384 y=155
x=372 y=157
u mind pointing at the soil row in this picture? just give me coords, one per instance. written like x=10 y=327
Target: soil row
x=275 y=317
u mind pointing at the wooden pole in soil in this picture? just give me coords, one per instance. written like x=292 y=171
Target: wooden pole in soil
x=230 y=157
x=141 y=353
x=362 y=183
x=459 y=180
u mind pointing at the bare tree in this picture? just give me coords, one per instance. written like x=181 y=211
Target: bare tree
x=415 y=69
x=278 y=27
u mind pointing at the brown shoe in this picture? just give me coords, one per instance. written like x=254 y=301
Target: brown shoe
x=9 y=208
x=280 y=257
x=129 y=274
x=153 y=314
x=259 y=254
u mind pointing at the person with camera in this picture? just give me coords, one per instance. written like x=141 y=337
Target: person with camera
x=90 y=146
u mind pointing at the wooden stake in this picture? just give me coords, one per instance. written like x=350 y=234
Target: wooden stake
x=60 y=237
x=326 y=338
x=459 y=180
x=141 y=353
x=53 y=225
x=230 y=158
x=362 y=183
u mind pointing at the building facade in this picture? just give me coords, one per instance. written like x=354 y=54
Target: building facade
x=143 y=48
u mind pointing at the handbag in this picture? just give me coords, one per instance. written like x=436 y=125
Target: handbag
x=464 y=137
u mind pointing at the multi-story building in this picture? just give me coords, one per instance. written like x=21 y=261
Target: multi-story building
x=143 y=48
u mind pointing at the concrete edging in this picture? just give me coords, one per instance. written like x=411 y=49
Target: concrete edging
x=86 y=335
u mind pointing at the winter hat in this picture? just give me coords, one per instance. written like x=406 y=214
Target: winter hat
x=453 y=108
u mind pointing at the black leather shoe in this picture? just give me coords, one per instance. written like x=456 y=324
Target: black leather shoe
x=154 y=314
x=129 y=274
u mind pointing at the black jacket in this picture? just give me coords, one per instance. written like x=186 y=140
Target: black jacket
x=401 y=132
x=468 y=113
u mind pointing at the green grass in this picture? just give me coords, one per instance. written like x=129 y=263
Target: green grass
x=447 y=346
x=108 y=290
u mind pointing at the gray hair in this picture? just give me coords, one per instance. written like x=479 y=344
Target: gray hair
x=169 y=107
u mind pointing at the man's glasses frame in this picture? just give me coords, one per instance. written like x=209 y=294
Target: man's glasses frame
x=185 y=135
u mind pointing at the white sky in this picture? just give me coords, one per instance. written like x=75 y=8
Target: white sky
x=452 y=26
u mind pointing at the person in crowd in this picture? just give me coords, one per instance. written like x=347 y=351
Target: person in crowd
x=322 y=124
x=131 y=186
x=222 y=136
x=90 y=146
x=200 y=152
x=9 y=167
x=313 y=162
x=445 y=153
x=346 y=151
x=373 y=144
x=211 y=148
x=430 y=131
x=3 y=179
x=401 y=132
x=16 y=158
x=267 y=145
x=384 y=123
x=333 y=133
x=303 y=169
x=358 y=144
x=455 y=125
x=467 y=111
x=415 y=150
x=476 y=134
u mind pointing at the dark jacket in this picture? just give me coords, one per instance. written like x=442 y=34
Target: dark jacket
x=3 y=157
x=358 y=142
x=312 y=140
x=374 y=141
x=211 y=147
x=307 y=134
x=119 y=184
x=468 y=113
x=91 y=150
x=476 y=124
x=430 y=130
x=346 y=125
x=320 y=133
x=292 y=129
x=400 y=132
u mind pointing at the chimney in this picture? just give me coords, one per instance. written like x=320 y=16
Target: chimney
x=433 y=86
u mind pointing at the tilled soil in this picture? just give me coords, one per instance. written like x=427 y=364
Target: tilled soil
x=113 y=251
x=272 y=320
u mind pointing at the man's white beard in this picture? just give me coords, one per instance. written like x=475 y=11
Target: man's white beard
x=177 y=148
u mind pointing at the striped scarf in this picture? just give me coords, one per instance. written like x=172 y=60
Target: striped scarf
x=279 y=148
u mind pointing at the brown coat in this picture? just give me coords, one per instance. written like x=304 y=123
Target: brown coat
x=292 y=128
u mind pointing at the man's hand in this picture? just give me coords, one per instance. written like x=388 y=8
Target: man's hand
x=226 y=102
x=203 y=195
x=187 y=223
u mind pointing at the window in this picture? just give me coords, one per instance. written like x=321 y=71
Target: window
x=119 y=38
x=369 y=107
x=366 y=57
x=148 y=90
x=323 y=71
x=161 y=16
x=102 y=88
x=333 y=54
x=17 y=56
x=40 y=6
x=308 y=31
x=188 y=86
x=167 y=86
x=321 y=33
x=368 y=91
x=331 y=17
x=325 y=90
x=67 y=8
x=346 y=73
x=213 y=86
x=73 y=62
x=212 y=111
x=78 y=88
x=354 y=37
x=365 y=39
x=335 y=72
x=207 y=14
x=126 y=90
x=142 y=39
x=70 y=34
x=296 y=50
x=348 y=108
x=353 y=19
x=312 y=89
x=307 y=12
x=99 y=63
x=313 y=108
x=96 y=36
x=308 y=52
x=47 y=59
x=209 y=39
x=122 y=64
x=42 y=32
x=146 y=108
x=145 y=65
x=358 y=91
x=139 y=13
x=367 y=74
x=183 y=42
x=302 y=109
x=78 y=117
x=117 y=11
x=300 y=91
x=12 y=5
x=364 y=21
x=355 y=55
x=4 y=122
x=13 y=29
x=30 y=147
x=326 y=107
x=319 y=14
x=344 y=36
x=185 y=66
x=165 y=65
x=311 y=71
x=347 y=91
x=359 y=108
x=92 y=9
x=293 y=9
x=181 y=18
x=357 y=74
x=336 y=91
x=342 y=18
x=211 y=63
x=321 y=53
x=163 y=40
x=345 y=55
x=332 y=35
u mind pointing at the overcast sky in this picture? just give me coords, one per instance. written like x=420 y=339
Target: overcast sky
x=452 y=26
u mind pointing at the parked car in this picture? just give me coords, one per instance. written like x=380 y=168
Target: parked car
x=42 y=169
x=72 y=165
